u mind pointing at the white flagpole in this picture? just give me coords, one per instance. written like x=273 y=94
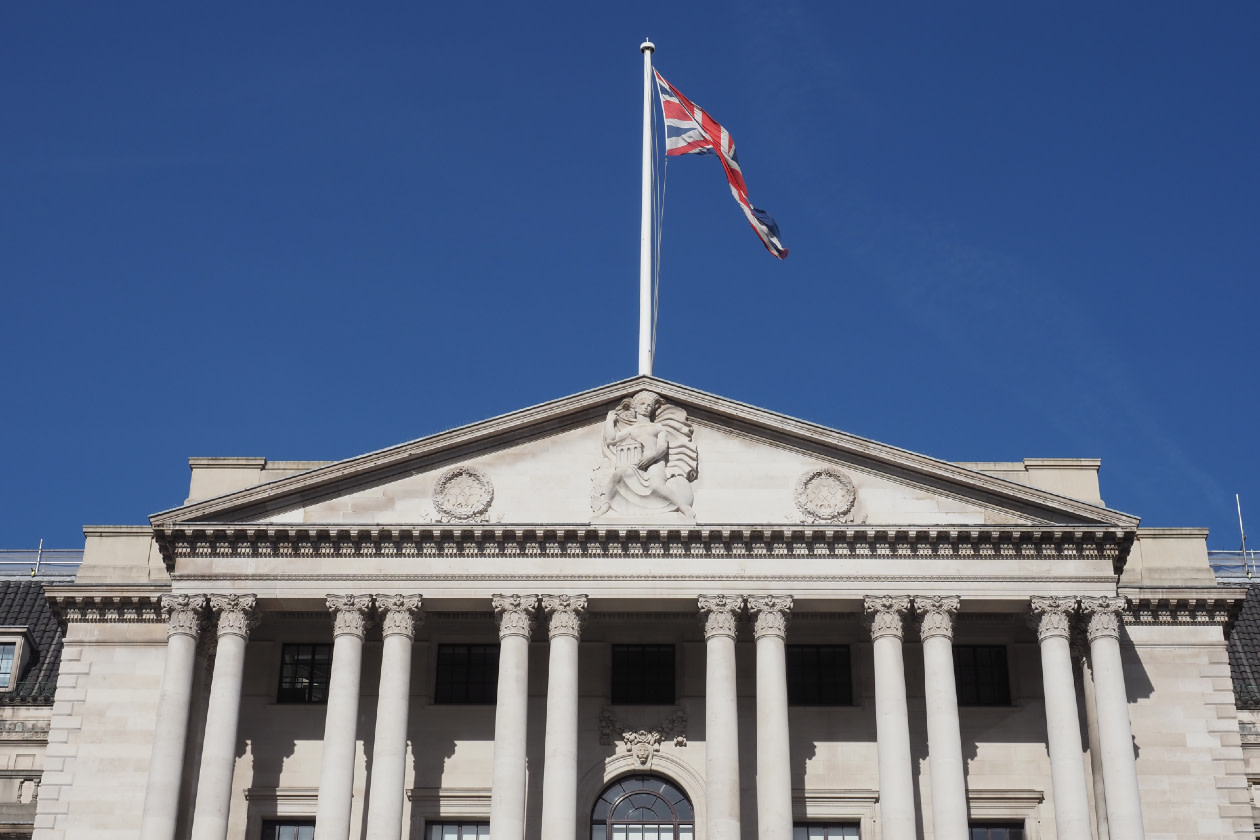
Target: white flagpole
x=645 y=235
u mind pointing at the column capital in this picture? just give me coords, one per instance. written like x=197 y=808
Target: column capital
x=399 y=614
x=936 y=615
x=1052 y=616
x=565 y=615
x=1104 y=613
x=184 y=614
x=350 y=614
x=886 y=613
x=719 y=614
x=771 y=613
x=238 y=614
x=515 y=614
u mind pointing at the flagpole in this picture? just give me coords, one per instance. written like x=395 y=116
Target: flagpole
x=645 y=235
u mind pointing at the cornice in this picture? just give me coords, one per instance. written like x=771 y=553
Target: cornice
x=1188 y=606
x=306 y=542
x=580 y=409
x=107 y=604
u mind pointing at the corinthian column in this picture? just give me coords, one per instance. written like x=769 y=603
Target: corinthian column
x=892 y=719
x=774 y=765
x=1052 y=619
x=564 y=627
x=721 y=715
x=237 y=617
x=949 y=791
x=515 y=614
x=183 y=614
x=399 y=615
x=341 y=720
x=1115 y=732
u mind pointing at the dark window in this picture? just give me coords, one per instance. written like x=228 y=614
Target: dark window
x=642 y=807
x=304 y=671
x=996 y=831
x=467 y=674
x=818 y=675
x=458 y=831
x=288 y=830
x=981 y=676
x=7 y=652
x=823 y=831
x=643 y=675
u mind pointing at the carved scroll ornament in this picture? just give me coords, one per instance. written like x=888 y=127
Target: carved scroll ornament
x=400 y=614
x=937 y=615
x=565 y=615
x=515 y=614
x=886 y=614
x=1104 y=615
x=720 y=614
x=184 y=614
x=772 y=614
x=1052 y=616
x=238 y=614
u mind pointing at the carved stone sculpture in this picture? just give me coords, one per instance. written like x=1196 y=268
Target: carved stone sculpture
x=463 y=494
x=238 y=614
x=936 y=615
x=515 y=614
x=771 y=614
x=649 y=460
x=720 y=614
x=184 y=614
x=825 y=495
x=350 y=614
x=1105 y=614
x=399 y=614
x=886 y=614
x=1052 y=616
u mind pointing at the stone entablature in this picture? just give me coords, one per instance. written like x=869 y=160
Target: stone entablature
x=1014 y=542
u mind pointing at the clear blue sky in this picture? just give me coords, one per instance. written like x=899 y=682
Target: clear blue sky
x=313 y=230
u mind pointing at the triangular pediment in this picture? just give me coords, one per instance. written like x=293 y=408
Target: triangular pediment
x=685 y=458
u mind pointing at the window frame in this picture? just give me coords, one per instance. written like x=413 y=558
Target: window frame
x=489 y=682
x=461 y=825
x=275 y=823
x=20 y=637
x=625 y=690
x=975 y=684
x=846 y=698
x=1008 y=825
x=313 y=683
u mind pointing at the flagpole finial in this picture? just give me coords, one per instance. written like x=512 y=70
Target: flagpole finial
x=647 y=46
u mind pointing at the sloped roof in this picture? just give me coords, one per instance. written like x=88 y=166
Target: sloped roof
x=1244 y=651
x=22 y=604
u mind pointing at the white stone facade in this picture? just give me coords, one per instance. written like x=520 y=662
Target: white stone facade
x=615 y=518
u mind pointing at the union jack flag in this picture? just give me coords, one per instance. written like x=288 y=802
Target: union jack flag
x=690 y=131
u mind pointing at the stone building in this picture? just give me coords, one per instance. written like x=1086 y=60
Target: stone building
x=30 y=654
x=644 y=612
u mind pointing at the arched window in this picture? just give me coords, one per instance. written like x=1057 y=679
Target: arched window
x=643 y=808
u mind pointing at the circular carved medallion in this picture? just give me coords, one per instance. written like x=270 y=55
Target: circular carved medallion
x=825 y=494
x=463 y=493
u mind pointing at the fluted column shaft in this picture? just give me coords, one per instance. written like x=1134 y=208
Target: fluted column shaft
x=721 y=716
x=341 y=719
x=399 y=614
x=772 y=614
x=892 y=718
x=218 y=751
x=949 y=789
x=564 y=628
x=1052 y=619
x=515 y=614
x=184 y=614
x=1115 y=731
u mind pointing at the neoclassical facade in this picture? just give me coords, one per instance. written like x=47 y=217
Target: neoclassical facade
x=644 y=612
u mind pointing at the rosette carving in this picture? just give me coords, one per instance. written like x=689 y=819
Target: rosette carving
x=350 y=614
x=1104 y=615
x=184 y=614
x=1052 y=616
x=937 y=615
x=565 y=615
x=886 y=614
x=771 y=613
x=399 y=614
x=515 y=614
x=463 y=494
x=238 y=614
x=825 y=495
x=720 y=614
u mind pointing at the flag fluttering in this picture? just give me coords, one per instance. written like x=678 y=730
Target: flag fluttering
x=690 y=131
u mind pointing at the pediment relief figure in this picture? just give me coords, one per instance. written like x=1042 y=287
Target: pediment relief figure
x=649 y=460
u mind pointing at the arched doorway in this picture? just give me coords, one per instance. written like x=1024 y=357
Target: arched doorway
x=643 y=807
